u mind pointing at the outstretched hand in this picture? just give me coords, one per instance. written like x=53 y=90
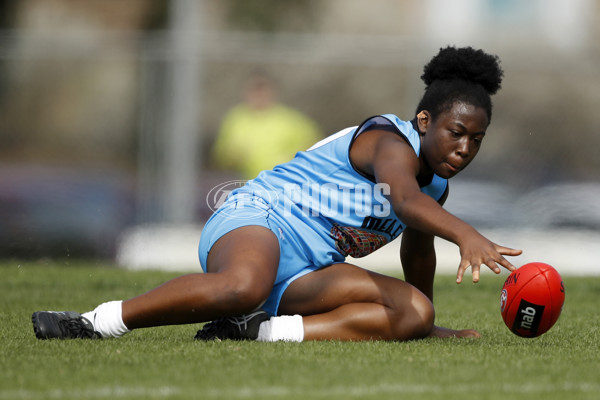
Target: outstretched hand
x=477 y=250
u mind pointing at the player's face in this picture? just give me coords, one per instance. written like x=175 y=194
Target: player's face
x=452 y=141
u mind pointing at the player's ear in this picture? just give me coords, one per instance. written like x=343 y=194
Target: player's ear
x=423 y=120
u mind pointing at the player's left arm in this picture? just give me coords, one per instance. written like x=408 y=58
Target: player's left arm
x=417 y=254
x=418 y=258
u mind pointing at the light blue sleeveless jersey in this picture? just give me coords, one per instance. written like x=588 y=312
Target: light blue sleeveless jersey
x=327 y=206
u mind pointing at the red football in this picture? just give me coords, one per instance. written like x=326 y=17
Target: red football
x=531 y=300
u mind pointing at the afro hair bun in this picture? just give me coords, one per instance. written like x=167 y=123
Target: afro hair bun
x=465 y=63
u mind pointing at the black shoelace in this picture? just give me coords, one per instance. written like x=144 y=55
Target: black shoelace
x=77 y=329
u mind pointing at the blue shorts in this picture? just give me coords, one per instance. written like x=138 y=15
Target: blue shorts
x=295 y=260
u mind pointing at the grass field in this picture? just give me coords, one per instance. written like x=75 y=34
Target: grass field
x=166 y=363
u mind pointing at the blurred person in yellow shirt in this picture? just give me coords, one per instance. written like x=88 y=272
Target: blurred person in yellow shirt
x=261 y=132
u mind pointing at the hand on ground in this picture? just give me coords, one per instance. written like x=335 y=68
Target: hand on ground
x=441 y=332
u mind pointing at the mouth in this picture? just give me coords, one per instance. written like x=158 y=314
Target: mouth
x=453 y=168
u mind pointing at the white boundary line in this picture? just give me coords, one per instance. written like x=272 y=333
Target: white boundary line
x=114 y=392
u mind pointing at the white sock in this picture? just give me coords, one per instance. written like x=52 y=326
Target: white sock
x=107 y=319
x=287 y=328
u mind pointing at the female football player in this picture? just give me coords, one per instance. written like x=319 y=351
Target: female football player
x=274 y=254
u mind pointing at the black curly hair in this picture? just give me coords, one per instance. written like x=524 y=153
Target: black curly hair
x=460 y=74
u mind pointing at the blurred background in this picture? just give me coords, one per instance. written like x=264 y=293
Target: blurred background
x=110 y=111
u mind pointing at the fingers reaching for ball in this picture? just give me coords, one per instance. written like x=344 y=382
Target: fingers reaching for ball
x=480 y=252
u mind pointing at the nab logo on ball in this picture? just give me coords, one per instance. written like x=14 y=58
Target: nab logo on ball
x=528 y=319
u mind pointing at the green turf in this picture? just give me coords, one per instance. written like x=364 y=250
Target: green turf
x=166 y=363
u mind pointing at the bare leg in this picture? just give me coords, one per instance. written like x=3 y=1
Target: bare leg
x=241 y=270
x=346 y=302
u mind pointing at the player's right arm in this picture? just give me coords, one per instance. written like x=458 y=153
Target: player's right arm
x=391 y=160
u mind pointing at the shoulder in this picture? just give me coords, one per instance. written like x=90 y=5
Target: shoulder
x=379 y=149
x=407 y=130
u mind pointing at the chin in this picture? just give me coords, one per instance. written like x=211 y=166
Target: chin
x=446 y=174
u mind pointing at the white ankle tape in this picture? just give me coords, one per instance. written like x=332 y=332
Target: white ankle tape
x=287 y=328
x=107 y=319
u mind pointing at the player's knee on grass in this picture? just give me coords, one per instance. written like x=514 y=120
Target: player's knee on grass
x=427 y=315
x=418 y=318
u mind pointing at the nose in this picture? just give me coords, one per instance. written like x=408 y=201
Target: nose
x=462 y=148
